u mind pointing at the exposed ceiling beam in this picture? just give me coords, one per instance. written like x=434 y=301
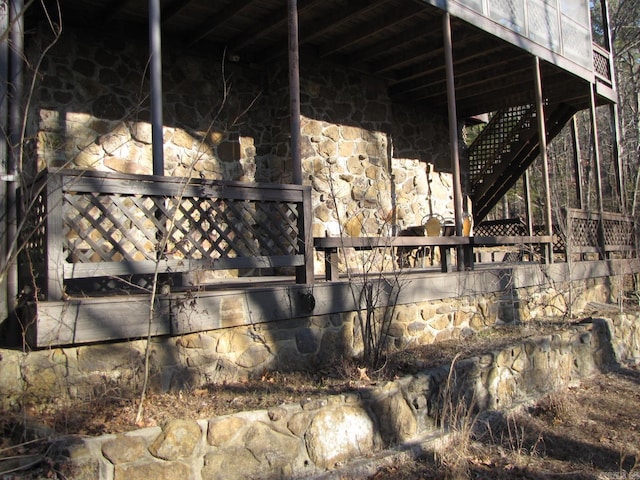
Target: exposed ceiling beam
x=407 y=37
x=110 y=10
x=277 y=20
x=370 y=29
x=217 y=19
x=173 y=8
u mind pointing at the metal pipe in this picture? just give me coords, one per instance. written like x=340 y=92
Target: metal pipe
x=294 y=92
x=155 y=45
x=542 y=132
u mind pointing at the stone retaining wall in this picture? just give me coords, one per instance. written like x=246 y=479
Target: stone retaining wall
x=305 y=439
x=231 y=354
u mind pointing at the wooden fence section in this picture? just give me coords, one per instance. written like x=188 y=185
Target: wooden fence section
x=94 y=224
x=605 y=234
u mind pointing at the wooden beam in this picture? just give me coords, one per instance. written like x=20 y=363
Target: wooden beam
x=214 y=21
x=276 y=21
x=371 y=29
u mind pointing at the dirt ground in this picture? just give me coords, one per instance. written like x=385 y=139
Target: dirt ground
x=586 y=432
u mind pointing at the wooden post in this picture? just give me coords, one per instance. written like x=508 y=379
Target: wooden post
x=527 y=201
x=596 y=158
x=453 y=131
x=304 y=273
x=542 y=133
x=53 y=253
x=617 y=161
x=577 y=155
x=5 y=300
x=16 y=111
x=294 y=92
x=155 y=73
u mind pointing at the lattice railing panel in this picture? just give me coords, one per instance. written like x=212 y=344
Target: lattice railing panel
x=601 y=64
x=501 y=228
x=496 y=140
x=130 y=228
x=584 y=232
x=619 y=232
x=112 y=227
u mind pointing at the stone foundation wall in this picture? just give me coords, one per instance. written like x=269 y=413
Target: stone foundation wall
x=308 y=438
x=230 y=354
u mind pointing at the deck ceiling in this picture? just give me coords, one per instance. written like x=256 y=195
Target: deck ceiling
x=400 y=41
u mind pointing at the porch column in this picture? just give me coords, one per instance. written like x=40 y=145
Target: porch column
x=15 y=90
x=4 y=84
x=542 y=133
x=596 y=146
x=577 y=155
x=155 y=43
x=453 y=131
x=294 y=92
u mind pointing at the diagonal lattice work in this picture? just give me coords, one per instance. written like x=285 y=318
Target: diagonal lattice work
x=491 y=148
x=499 y=228
x=89 y=225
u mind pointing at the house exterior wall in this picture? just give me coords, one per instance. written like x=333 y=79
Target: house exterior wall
x=367 y=159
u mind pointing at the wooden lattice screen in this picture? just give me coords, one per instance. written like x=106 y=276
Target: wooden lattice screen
x=105 y=225
x=606 y=233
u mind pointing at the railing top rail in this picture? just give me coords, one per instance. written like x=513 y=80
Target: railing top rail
x=120 y=183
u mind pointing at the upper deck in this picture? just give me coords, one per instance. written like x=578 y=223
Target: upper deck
x=557 y=31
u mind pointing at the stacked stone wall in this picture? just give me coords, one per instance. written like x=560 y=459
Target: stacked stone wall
x=231 y=354
x=374 y=166
x=310 y=437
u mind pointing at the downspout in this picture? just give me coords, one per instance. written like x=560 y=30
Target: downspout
x=542 y=132
x=155 y=43
x=453 y=127
x=294 y=92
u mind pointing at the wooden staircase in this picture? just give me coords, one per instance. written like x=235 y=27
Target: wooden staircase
x=504 y=150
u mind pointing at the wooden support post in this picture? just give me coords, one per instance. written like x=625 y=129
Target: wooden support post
x=617 y=161
x=577 y=165
x=542 y=132
x=155 y=73
x=5 y=300
x=294 y=92
x=305 y=273
x=54 y=254
x=527 y=200
x=453 y=134
x=16 y=115
x=596 y=158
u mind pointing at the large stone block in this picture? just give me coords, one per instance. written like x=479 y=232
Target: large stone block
x=338 y=434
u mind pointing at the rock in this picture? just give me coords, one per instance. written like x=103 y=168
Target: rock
x=178 y=440
x=152 y=470
x=229 y=464
x=124 y=449
x=339 y=434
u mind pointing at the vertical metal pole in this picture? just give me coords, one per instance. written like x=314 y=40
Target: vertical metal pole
x=16 y=89
x=294 y=92
x=617 y=160
x=453 y=131
x=596 y=146
x=155 y=46
x=577 y=156
x=527 y=201
x=5 y=301
x=542 y=132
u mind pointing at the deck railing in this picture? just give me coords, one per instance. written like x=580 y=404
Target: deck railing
x=604 y=234
x=84 y=225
